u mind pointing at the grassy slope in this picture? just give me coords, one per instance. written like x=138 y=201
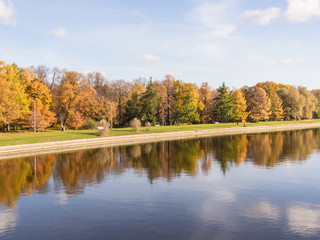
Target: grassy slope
x=15 y=138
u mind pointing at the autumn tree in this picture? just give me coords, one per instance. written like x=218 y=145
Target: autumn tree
x=97 y=81
x=76 y=120
x=293 y=103
x=41 y=72
x=162 y=91
x=269 y=87
x=120 y=90
x=277 y=112
x=39 y=114
x=258 y=103
x=169 y=89
x=205 y=96
x=240 y=103
x=186 y=99
x=49 y=76
x=40 y=98
x=87 y=103
x=316 y=93
x=105 y=98
x=310 y=104
x=13 y=99
x=69 y=94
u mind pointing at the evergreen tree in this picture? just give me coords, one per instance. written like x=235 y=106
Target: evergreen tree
x=133 y=108
x=150 y=107
x=224 y=105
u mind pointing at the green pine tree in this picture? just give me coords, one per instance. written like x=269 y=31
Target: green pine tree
x=133 y=108
x=150 y=106
x=224 y=105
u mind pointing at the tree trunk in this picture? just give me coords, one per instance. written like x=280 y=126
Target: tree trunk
x=6 y=127
x=168 y=102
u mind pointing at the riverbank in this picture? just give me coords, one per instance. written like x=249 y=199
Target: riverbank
x=53 y=135
x=72 y=145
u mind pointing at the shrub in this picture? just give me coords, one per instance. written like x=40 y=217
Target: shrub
x=103 y=127
x=135 y=124
x=90 y=124
x=148 y=126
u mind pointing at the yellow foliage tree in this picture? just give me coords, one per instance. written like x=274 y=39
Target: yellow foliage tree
x=138 y=89
x=205 y=97
x=186 y=98
x=240 y=106
x=76 y=120
x=277 y=112
x=259 y=103
x=13 y=100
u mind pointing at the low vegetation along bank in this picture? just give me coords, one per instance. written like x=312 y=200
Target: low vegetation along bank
x=17 y=138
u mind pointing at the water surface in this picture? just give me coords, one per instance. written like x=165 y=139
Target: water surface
x=259 y=186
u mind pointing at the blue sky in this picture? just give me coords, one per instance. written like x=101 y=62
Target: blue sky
x=240 y=42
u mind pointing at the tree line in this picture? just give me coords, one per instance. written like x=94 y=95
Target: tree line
x=71 y=99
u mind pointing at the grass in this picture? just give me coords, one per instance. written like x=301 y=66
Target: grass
x=16 y=138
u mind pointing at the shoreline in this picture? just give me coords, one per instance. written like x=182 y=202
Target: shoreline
x=26 y=150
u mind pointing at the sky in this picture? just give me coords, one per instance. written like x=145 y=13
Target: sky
x=239 y=42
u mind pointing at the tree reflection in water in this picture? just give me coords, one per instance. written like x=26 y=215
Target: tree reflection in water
x=168 y=160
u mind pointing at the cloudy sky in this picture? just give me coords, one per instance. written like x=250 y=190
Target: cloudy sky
x=240 y=42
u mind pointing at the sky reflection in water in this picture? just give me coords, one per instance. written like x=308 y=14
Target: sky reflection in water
x=258 y=186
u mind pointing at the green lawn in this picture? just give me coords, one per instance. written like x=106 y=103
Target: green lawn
x=15 y=138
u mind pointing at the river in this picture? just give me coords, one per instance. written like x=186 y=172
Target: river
x=255 y=186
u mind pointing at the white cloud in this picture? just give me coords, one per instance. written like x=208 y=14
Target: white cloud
x=288 y=61
x=262 y=17
x=302 y=10
x=176 y=74
x=60 y=32
x=7 y=12
x=215 y=16
x=150 y=58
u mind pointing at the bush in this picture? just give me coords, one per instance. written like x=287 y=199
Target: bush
x=90 y=124
x=135 y=124
x=103 y=127
x=148 y=126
